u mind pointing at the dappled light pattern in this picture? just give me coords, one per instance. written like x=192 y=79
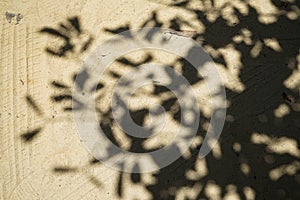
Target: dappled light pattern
x=256 y=49
x=239 y=166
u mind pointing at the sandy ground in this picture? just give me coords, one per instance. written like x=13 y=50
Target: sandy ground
x=35 y=169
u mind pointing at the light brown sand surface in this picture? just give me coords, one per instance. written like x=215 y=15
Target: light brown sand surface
x=256 y=52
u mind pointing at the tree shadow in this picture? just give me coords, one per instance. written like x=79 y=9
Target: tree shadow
x=258 y=154
x=75 y=40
